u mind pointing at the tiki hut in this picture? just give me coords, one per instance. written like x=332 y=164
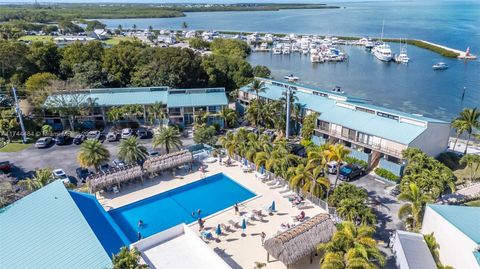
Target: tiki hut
x=164 y=162
x=301 y=240
x=114 y=177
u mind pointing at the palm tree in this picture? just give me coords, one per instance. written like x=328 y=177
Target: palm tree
x=41 y=178
x=460 y=127
x=47 y=130
x=309 y=181
x=157 y=109
x=473 y=163
x=127 y=259
x=254 y=112
x=433 y=246
x=114 y=114
x=228 y=142
x=337 y=153
x=93 y=154
x=413 y=209
x=470 y=117
x=167 y=137
x=229 y=116
x=131 y=151
x=257 y=86
x=353 y=209
x=351 y=247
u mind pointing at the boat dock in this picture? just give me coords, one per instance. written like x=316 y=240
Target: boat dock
x=461 y=54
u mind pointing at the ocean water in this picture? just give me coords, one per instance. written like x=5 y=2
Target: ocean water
x=173 y=207
x=414 y=88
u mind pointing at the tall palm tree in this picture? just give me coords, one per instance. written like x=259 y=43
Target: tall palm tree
x=470 y=116
x=41 y=178
x=351 y=247
x=309 y=181
x=473 y=163
x=353 y=209
x=167 y=137
x=257 y=86
x=131 y=151
x=157 y=109
x=128 y=259
x=254 y=112
x=460 y=127
x=337 y=153
x=93 y=154
x=416 y=201
x=229 y=116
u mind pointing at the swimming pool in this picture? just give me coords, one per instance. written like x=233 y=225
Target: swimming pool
x=167 y=209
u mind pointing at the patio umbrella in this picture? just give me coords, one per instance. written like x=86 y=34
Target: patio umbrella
x=244 y=226
x=245 y=162
x=262 y=169
x=272 y=207
x=218 y=231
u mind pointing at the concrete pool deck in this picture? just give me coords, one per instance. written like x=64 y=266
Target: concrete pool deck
x=237 y=251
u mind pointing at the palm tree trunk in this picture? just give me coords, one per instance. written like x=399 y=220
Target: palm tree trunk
x=455 y=143
x=70 y=120
x=167 y=149
x=468 y=141
x=336 y=178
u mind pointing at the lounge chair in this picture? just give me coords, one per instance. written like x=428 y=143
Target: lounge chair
x=277 y=185
x=115 y=189
x=233 y=223
x=261 y=176
x=304 y=205
x=226 y=227
x=271 y=183
x=246 y=169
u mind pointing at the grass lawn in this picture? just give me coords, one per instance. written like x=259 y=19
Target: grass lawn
x=116 y=39
x=14 y=147
x=474 y=203
x=32 y=38
x=462 y=174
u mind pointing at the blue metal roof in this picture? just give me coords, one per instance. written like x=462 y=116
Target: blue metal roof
x=372 y=124
x=465 y=218
x=47 y=230
x=146 y=96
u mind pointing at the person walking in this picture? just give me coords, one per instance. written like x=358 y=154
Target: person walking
x=236 y=208
x=262 y=237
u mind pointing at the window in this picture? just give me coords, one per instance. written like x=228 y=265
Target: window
x=348 y=133
x=365 y=110
x=364 y=138
x=245 y=95
x=212 y=109
x=320 y=93
x=385 y=115
x=188 y=109
x=323 y=125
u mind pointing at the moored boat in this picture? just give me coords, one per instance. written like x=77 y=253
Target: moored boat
x=440 y=66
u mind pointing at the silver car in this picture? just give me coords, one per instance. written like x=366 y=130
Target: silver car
x=93 y=135
x=43 y=142
x=126 y=133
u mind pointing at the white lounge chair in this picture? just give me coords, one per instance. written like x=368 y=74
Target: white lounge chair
x=246 y=168
x=271 y=183
x=304 y=205
x=279 y=184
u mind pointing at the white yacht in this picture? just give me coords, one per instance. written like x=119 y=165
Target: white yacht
x=286 y=49
x=383 y=52
x=316 y=58
x=369 y=44
x=402 y=57
x=277 y=49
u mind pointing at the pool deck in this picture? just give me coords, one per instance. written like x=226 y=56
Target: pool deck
x=237 y=251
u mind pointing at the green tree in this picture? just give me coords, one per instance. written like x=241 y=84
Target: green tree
x=470 y=117
x=346 y=191
x=114 y=114
x=337 y=153
x=8 y=123
x=205 y=135
x=261 y=71
x=257 y=87
x=45 y=56
x=433 y=246
x=68 y=27
x=351 y=247
x=198 y=43
x=13 y=60
x=229 y=117
x=37 y=87
x=472 y=161
x=355 y=209
x=231 y=47
x=225 y=70
x=121 y=61
x=91 y=74
x=131 y=151
x=93 y=154
x=41 y=178
x=415 y=205
x=79 y=53
x=128 y=259
x=308 y=126
x=254 y=112
x=47 y=130
x=310 y=181
x=174 y=67
x=158 y=110
x=460 y=127
x=167 y=137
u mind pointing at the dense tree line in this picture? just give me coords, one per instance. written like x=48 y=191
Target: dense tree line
x=130 y=63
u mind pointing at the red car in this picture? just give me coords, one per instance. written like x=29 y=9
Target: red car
x=5 y=167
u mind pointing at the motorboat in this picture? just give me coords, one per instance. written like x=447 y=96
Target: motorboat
x=337 y=89
x=291 y=78
x=277 y=49
x=286 y=49
x=402 y=57
x=440 y=66
x=383 y=52
x=316 y=58
x=369 y=44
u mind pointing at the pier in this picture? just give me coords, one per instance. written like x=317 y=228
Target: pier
x=461 y=54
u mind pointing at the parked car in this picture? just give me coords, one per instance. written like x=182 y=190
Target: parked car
x=62 y=139
x=82 y=173
x=142 y=133
x=112 y=136
x=105 y=167
x=118 y=163
x=43 y=142
x=60 y=174
x=332 y=167
x=6 y=166
x=153 y=153
x=93 y=135
x=350 y=171
x=126 y=133
x=79 y=138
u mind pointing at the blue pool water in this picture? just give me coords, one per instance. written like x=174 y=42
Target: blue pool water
x=173 y=207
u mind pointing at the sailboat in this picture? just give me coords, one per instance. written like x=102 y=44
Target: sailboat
x=382 y=51
x=402 y=57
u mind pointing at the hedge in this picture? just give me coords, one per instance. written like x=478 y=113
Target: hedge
x=353 y=160
x=386 y=174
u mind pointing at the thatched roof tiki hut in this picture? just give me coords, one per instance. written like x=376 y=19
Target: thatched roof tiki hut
x=302 y=240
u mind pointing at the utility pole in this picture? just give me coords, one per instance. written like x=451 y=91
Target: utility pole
x=287 y=129
x=19 y=113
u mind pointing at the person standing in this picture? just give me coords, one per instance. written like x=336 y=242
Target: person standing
x=262 y=237
x=236 y=208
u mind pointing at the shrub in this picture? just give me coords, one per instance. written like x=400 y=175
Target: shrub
x=353 y=160
x=450 y=160
x=386 y=174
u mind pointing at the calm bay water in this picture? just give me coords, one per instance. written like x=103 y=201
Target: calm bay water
x=413 y=88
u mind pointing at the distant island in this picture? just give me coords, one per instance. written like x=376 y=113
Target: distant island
x=54 y=12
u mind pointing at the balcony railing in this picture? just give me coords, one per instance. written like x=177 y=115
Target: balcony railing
x=390 y=151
